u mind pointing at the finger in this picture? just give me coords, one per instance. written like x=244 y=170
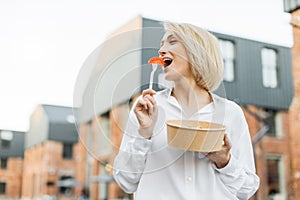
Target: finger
x=227 y=142
x=150 y=98
x=142 y=104
x=149 y=106
x=148 y=91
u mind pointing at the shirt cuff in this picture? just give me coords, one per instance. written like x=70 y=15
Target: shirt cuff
x=141 y=144
x=231 y=168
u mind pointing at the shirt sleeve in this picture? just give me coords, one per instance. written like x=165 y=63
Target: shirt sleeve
x=239 y=175
x=130 y=162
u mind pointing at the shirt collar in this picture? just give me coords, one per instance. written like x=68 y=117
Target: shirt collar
x=206 y=109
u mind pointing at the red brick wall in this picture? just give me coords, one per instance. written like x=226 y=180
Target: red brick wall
x=95 y=161
x=118 y=120
x=81 y=157
x=43 y=164
x=289 y=144
x=12 y=176
x=270 y=145
x=31 y=170
x=294 y=111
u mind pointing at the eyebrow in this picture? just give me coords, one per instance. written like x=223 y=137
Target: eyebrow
x=169 y=36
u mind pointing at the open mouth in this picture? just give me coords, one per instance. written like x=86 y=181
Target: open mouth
x=168 y=62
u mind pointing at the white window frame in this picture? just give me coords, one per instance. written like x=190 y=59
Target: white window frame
x=278 y=125
x=281 y=168
x=228 y=53
x=269 y=63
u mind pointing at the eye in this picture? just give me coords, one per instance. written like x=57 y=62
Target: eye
x=173 y=41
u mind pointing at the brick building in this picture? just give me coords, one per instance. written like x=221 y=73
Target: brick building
x=278 y=151
x=293 y=7
x=59 y=162
x=11 y=162
x=268 y=112
x=50 y=165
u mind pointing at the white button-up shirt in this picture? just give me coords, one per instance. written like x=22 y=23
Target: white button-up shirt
x=156 y=171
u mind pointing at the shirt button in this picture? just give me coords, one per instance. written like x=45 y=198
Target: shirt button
x=189 y=179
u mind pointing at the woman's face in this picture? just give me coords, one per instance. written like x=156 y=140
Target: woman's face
x=175 y=56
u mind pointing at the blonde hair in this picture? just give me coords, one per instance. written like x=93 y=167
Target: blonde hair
x=203 y=52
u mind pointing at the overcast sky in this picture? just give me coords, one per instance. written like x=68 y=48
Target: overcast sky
x=43 y=43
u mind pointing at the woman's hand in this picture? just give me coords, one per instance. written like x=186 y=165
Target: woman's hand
x=146 y=113
x=222 y=157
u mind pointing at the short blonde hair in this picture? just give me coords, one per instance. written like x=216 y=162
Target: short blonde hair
x=204 y=54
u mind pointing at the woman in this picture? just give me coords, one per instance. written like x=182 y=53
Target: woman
x=147 y=166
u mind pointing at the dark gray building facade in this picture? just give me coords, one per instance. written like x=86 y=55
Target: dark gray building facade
x=49 y=122
x=256 y=73
x=12 y=143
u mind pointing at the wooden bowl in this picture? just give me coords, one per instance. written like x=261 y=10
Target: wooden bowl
x=195 y=135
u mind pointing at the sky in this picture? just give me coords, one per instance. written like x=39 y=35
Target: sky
x=44 y=43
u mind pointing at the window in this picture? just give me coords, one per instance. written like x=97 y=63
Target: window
x=274 y=121
x=228 y=53
x=275 y=177
x=67 y=151
x=5 y=144
x=2 y=187
x=6 y=138
x=269 y=67
x=50 y=183
x=65 y=184
x=3 y=163
x=270 y=121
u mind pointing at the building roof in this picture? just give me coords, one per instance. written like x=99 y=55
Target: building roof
x=62 y=123
x=60 y=114
x=291 y=5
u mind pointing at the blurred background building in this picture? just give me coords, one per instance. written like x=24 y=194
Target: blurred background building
x=258 y=76
x=49 y=166
x=293 y=7
x=11 y=162
x=62 y=156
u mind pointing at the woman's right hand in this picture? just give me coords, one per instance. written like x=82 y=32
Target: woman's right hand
x=146 y=113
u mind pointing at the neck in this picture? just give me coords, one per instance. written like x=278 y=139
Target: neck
x=191 y=96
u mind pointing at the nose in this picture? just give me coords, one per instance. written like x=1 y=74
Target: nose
x=162 y=51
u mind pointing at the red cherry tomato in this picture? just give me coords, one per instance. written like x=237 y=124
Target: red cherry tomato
x=156 y=60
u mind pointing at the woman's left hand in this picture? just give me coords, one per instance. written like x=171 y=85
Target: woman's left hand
x=222 y=157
